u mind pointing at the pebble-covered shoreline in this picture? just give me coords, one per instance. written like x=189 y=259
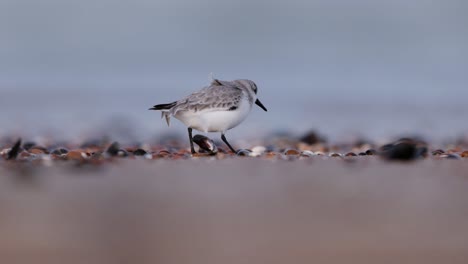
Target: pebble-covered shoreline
x=100 y=152
x=285 y=199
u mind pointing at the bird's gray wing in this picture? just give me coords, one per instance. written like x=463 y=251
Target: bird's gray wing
x=216 y=97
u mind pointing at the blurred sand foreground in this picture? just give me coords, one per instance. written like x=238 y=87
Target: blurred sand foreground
x=237 y=211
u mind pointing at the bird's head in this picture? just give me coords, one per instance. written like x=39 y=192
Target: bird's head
x=252 y=89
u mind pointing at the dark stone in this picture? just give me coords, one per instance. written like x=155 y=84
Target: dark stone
x=371 y=152
x=312 y=138
x=139 y=152
x=28 y=145
x=15 y=150
x=405 y=149
x=63 y=150
x=113 y=149
x=60 y=151
x=243 y=152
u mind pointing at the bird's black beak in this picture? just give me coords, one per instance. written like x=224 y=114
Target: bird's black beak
x=261 y=105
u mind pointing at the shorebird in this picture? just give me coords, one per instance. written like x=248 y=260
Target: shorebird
x=216 y=108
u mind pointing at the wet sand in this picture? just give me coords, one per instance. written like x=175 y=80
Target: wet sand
x=239 y=210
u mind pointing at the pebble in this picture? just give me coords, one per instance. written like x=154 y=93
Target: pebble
x=402 y=151
x=259 y=150
x=36 y=151
x=14 y=151
x=205 y=144
x=255 y=154
x=450 y=156
x=139 y=152
x=163 y=154
x=60 y=151
x=99 y=153
x=291 y=152
x=122 y=153
x=243 y=152
x=113 y=149
x=307 y=153
x=75 y=155
x=438 y=152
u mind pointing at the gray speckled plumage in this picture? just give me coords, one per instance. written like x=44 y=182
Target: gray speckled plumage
x=219 y=96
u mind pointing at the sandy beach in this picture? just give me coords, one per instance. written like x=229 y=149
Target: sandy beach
x=239 y=210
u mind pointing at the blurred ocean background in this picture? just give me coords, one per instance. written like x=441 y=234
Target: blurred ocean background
x=371 y=68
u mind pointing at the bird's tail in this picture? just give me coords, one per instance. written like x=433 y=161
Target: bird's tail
x=164 y=108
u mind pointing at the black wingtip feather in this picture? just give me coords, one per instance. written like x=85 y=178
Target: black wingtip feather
x=163 y=106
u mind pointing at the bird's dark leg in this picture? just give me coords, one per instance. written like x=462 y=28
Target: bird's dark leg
x=227 y=143
x=191 y=140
